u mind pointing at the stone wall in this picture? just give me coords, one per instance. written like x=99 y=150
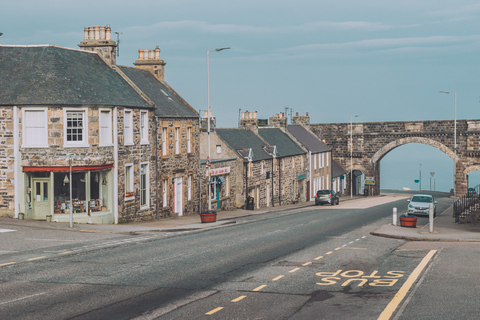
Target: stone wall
x=6 y=162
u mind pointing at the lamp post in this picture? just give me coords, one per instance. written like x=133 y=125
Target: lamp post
x=431 y=178
x=351 y=154
x=208 y=119
x=454 y=145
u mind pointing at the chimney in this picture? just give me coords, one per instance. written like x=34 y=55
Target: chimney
x=150 y=60
x=249 y=121
x=99 y=39
x=204 y=122
x=278 y=121
x=302 y=120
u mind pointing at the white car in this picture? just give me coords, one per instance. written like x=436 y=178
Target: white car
x=420 y=204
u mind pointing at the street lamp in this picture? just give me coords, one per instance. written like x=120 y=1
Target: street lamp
x=454 y=146
x=351 y=154
x=208 y=119
x=431 y=178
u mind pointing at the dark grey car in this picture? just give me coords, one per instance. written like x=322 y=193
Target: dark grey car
x=326 y=196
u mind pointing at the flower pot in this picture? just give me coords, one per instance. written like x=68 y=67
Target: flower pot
x=21 y=216
x=49 y=218
x=410 y=222
x=208 y=216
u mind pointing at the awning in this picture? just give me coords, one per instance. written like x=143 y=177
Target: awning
x=66 y=168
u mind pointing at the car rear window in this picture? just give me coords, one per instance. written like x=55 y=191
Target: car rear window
x=323 y=192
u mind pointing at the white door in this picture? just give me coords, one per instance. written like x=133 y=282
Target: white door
x=41 y=198
x=178 y=196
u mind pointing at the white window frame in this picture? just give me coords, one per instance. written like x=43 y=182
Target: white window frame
x=84 y=142
x=144 y=127
x=328 y=156
x=165 y=192
x=129 y=177
x=219 y=148
x=177 y=140
x=227 y=187
x=189 y=188
x=128 y=127
x=189 y=140
x=315 y=162
x=105 y=128
x=164 y=141
x=39 y=140
x=147 y=185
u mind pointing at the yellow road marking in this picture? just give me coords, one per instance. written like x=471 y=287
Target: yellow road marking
x=6 y=264
x=259 y=288
x=7 y=251
x=239 y=298
x=31 y=259
x=329 y=252
x=277 y=278
x=52 y=251
x=65 y=252
x=392 y=306
x=214 y=310
x=293 y=270
x=306 y=264
x=338 y=248
x=318 y=258
x=97 y=231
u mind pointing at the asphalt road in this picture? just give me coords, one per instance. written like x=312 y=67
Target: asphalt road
x=313 y=263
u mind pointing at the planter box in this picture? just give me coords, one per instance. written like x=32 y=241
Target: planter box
x=408 y=222
x=210 y=216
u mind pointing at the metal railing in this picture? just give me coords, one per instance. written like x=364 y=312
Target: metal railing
x=466 y=206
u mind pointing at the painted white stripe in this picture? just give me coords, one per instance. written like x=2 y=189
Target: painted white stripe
x=6 y=230
x=26 y=297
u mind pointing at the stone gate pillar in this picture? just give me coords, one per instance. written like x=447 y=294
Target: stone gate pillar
x=461 y=179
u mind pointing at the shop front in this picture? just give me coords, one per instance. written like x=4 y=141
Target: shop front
x=219 y=188
x=48 y=191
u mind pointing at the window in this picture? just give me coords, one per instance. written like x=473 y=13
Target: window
x=128 y=126
x=165 y=186
x=315 y=162
x=144 y=185
x=227 y=185
x=143 y=127
x=323 y=160
x=177 y=140
x=35 y=128
x=328 y=159
x=189 y=140
x=76 y=128
x=129 y=191
x=219 y=148
x=189 y=188
x=262 y=166
x=106 y=128
x=164 y=141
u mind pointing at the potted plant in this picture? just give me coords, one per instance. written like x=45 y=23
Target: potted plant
x=21 y=216
x=407 y=220
x=208 y=216
x=49 y=218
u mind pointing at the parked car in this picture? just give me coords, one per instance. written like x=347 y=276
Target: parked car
x=326 y=196
x=420 y=204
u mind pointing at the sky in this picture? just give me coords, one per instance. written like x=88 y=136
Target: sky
x=383 y=60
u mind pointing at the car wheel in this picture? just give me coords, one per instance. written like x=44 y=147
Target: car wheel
x=333 y=203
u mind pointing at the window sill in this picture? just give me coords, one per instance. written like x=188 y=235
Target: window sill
x=83 y=145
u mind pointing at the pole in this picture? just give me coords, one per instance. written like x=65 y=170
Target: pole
x=351 y=155
x=420 y=178
x=455 y=150
x=71 y=199
x=208 y=119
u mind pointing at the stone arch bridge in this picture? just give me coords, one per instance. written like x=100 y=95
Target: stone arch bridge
x=373 y=140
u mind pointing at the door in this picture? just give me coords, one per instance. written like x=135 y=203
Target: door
x=178 y=196
x=41 y=198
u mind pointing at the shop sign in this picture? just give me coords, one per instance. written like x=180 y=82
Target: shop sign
x=220 y=171
x=302 y=176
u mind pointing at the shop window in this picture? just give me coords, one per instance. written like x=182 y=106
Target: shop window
x=95 y=200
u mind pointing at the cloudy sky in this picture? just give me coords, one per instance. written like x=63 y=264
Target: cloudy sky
x=383 y=60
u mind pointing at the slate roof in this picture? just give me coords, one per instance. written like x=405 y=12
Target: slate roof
x=168 y=103
x=308 y=139
x=337 y=170
x=239 y=139
x=285 y=145
x=51 y=75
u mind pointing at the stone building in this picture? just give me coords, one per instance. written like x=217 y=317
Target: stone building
x=319 y=160
x=123 y=141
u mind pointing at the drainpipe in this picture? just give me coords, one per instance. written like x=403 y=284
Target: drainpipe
x=16 y=161
x=310 y=196
x=115 y=166
x=279 y=183
x=273 y=170
x=156 y=167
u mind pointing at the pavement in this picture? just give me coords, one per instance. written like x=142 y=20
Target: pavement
x=444 y=226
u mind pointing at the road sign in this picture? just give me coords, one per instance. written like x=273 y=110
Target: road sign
x=208 y=163
x=370 y=181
